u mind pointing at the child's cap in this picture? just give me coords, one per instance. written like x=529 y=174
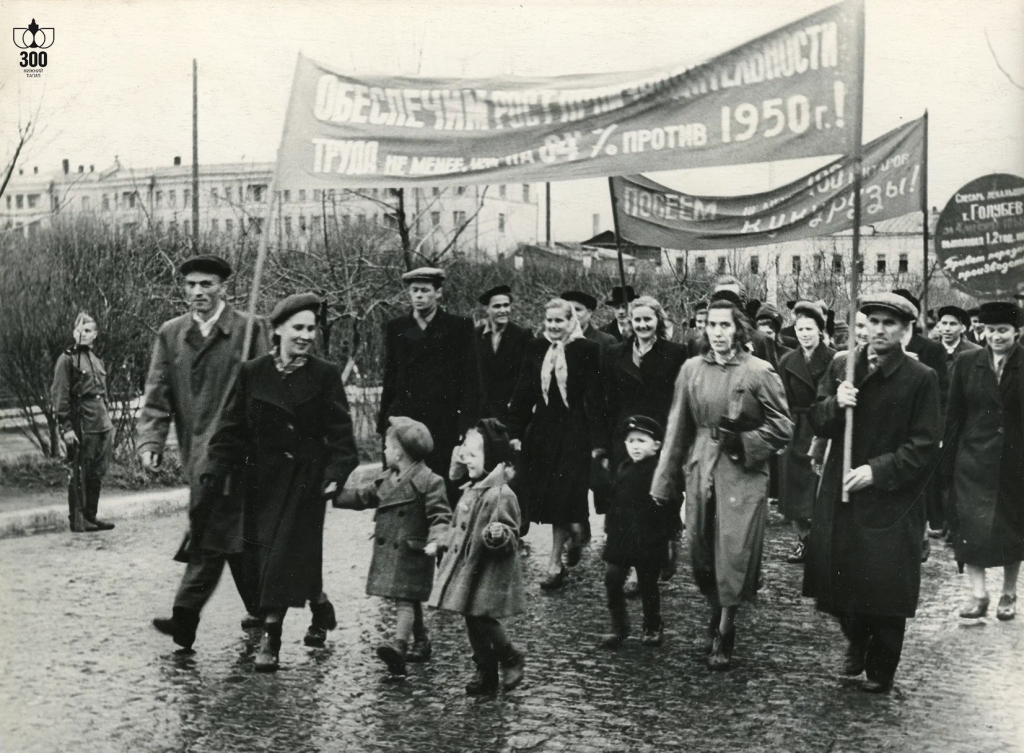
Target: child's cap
x=646 y=425
x=413 y=436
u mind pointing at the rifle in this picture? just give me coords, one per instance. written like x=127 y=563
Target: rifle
x=73 y=454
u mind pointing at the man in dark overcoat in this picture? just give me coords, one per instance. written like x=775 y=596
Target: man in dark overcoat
x=584 y=305
x=195 y=361
x=431 y=370
x=863 y=556
x=500 y=346
x=619 y=327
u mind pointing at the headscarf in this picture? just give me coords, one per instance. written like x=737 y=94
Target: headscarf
x=554 y=359
x=497 y=447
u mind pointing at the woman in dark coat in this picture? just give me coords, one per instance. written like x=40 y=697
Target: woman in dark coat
x=801 y=370
x=286 y=427
x=984 y=442
x=557 y=417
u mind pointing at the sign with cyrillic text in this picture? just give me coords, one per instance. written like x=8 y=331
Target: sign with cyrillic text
x=818 y=204
x=980 y=237
x=794 y=92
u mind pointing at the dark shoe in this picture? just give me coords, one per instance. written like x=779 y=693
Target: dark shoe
x=926 y=550
x=267 y=658
x=553 y=582
x=614 y=639
x=573 y=553
x=975 y=609
x=393 y=654
x=1007 y=608
x=81 y=525
x=853 y=661
x=181 y=626
x=251 y=622
x=798 y=555
x=315 y=637
x=515 y=669
x=721 y=651
x=652 y=637
x=712 y=631
x=323 y=614
x=876 y=686
x=485 y=681
x=421 y=650
x=101 y=524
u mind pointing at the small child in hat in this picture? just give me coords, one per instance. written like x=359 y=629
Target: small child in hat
x=480 y=576
x=638 y=533
x=411 y=522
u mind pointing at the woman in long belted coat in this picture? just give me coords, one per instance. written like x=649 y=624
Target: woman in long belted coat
x=287 y=427
x=728 y=417
x=557 y=415
x=801 y=370
x=984 y=454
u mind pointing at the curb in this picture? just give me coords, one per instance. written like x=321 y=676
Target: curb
x=54 y=518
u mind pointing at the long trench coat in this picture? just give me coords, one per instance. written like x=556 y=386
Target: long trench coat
x=797 y=480
x=726 y=509
x=864 y=557
x=474 y=578
x=285 y=436
x=412 y=511
x=983 y=451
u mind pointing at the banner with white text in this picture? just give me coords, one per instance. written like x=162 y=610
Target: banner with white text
x=820 y=203
x=792 y=93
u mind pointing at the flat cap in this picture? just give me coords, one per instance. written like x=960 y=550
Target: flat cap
x=578 y=296
x=646 y=425
x=487 y=295
x=910 y=297
x=212 y=265
x=957 y=312
x=412 y=435
x=293 y=304
x=619 y=299
x=425 y=274
x=894 y=303
x=1000 y=312
x=811 y=309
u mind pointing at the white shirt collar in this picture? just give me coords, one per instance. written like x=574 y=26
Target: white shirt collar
x=207 y=327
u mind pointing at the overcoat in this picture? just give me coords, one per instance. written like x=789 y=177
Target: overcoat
x=964 y=346
x=499 y=368
x=645 y=390
x=760 y=345
x=637 y=530
x=474 y=578
x=612 y=328
x=726 y=505
x=558 y=438
x=864 y=556
x=285 y=436
x=601 y=337
x=983 y=451
x=932 y=355
x=432 y=375
x=412 y=511
x=79 y=392
x=798 y=482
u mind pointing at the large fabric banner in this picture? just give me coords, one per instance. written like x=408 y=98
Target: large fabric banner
x=794 y=92
x=818 y=204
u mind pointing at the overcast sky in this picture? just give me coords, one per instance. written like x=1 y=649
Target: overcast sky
x=118 y=81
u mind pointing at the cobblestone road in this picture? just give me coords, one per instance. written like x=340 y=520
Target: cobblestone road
x=83 y=671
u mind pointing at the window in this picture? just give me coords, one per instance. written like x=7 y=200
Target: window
x=227 y=194
x=362 y=220
x=287 y=196
x=214 y=226
x=316 y=194
x=373 y=193
x=701 y=264
x=819 y=262
x=85 y=203
x=33 y=200
x=880 y=264
x=797 y=265
x=302 y=224
x=837 y=263
x=188 y=197
x=460 y=190
x=172 y=226
x=187 y=225
x=106 y=202
x=214 y=198
x=302 y=194
x=501 y=191
x=458 y=218
x=435 y=191
x=288 y=226
x=501 y=223
x=435 y=219
x=229 y=226
x=159 y=199
x=526 y=192
x=330 y=194
x=904 y=263
x=315 y=221
x=755 y=264
x=20 y=201
x=345 y=220
x=256 y=223
x=8 y=202
x=171 y=199
x=721 y=265
x=860 y=265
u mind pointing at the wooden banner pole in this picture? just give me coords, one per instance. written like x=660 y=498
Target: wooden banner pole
x=618 y=240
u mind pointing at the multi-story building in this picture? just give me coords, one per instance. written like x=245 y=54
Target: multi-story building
x=489 y=221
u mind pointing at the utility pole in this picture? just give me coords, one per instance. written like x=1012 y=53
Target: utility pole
x=195 y=157
x=547 y=206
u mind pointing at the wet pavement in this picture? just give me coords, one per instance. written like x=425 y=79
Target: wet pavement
x=81 y=669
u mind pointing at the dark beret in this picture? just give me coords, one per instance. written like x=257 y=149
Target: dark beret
x=211 y=265
x=811 y=310
x=292 y=305
x=487 y=295
x=1000 y=312
x=955 y=311
x=618 y=299
x=577 y=296
x=728 y=295
x=646 y=425
x=700 y=306
x=974 y=312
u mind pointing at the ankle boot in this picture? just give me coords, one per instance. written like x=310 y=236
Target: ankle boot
x=514 y=664
x=712 y=631
x=270 y=647
x=421 y=648
x=393 y=655
x=485 y=681
x=619 y=634
x=181 y=626
x=323 y=613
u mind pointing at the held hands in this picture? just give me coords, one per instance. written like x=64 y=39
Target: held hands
x=846 y=395
x=858 y=478
x=151 y=460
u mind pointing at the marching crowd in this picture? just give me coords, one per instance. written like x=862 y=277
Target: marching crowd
x=488 y=429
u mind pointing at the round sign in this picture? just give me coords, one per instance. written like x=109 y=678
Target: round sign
x=980 y=237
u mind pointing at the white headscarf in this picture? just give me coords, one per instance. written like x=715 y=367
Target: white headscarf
x=554 y=359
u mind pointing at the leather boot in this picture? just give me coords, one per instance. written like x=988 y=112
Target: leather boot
x=619 y=634
x=267 y=657
x=485 y=681
x=75 y=517
x=421 y=648
x=323 y=620
x=393 y=655
x=181 y=626
x=92 y=501
x=514 y=664
x=716 y=618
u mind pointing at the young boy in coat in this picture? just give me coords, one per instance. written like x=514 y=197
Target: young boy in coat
x=411 y=521
x=638 y=533
x=480 y=576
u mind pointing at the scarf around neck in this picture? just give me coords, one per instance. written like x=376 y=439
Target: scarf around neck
x=554 y=362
